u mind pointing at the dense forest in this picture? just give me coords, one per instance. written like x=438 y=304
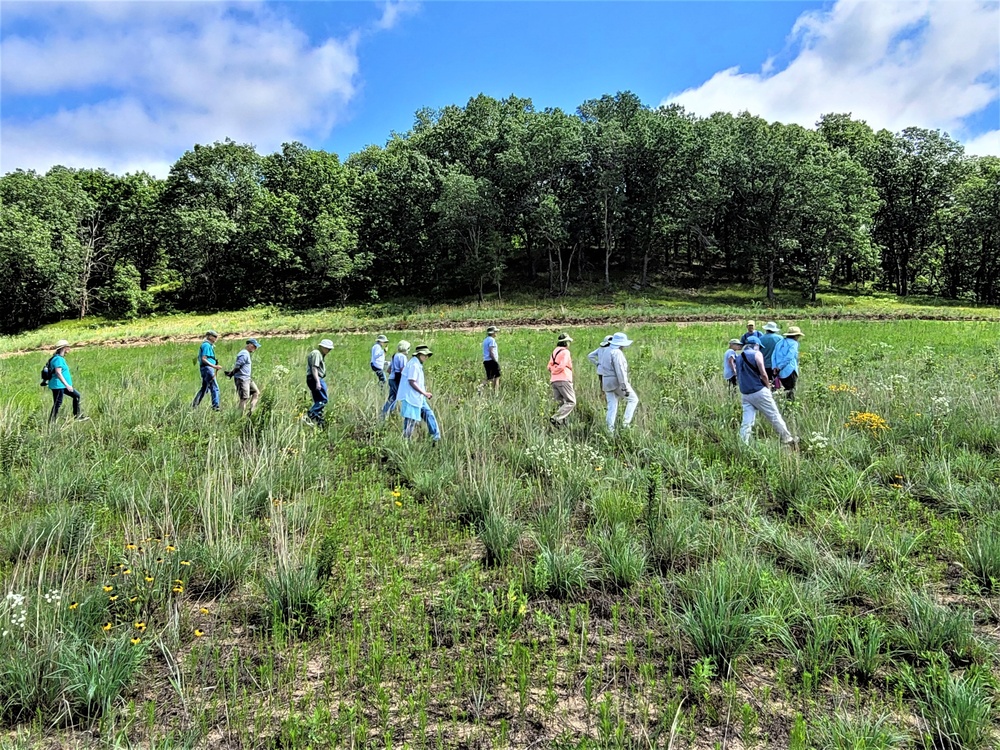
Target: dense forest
x=482 y=198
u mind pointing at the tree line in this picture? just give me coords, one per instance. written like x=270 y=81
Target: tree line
x=475 y=199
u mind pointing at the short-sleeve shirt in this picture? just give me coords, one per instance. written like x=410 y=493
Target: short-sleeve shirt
x=378 y=357
x=767 y=344
x=397 y=364
x=729 y=364
x=207 y=351
x=414 y=370
x=54 y=382
x=748 y=334
x=241 y=370
x=315 y=359
x=490 y=343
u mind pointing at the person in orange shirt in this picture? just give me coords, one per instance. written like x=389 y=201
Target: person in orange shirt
x=561 y=369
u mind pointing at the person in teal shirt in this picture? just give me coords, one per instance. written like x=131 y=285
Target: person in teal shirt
x=208 y=366
x=61 y=383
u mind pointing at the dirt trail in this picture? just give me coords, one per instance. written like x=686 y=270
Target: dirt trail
x=534 y=324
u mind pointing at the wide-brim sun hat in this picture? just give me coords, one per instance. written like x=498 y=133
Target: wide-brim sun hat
x=61 y=343
x=620 y=339
x=794 y=332
x=735 y=342
x=403 y=346
x=382 y=339
x=564 y=338
x=492 y=330
x=771 y=327
x=213 y=334
x=326 y=344
x=425 y=350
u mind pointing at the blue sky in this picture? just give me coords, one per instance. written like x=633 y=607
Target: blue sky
x=132 y=85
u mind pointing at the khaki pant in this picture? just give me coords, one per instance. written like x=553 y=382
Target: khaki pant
x=762 y=401
x=565 y=396
x=247 y=390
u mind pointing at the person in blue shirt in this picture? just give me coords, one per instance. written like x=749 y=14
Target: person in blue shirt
x=209 y=367
x=491 y=359
x=378 y=359
x=61 y=383
x=768 y=341
x=755 y=390
x=246 y=390
x=751 y=331
x=786 y=361
x=396 y=367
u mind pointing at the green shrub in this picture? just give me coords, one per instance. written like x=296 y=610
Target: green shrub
x=561 y=572
x=95 y=677
x=622 y=556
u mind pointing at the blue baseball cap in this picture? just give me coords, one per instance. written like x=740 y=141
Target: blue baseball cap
x=753 y=340
x=254 y=342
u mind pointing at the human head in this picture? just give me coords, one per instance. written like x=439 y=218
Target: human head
x=61 y=346
x=794 y=332
x=492 y=331
x=212 y=336
x=564 y=339
x=382 y=340
x=423 y=353
x=735 y=343
x=771 y=327
x=753 y=341
x=751 y=325
x=620 y=340
x=252 y=345
x=325 y=346
x=403 y=346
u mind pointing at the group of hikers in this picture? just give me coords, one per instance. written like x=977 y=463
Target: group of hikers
x=754 y=364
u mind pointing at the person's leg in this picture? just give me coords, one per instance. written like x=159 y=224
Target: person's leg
x=254 y=396
x=631 y=402
x=408 y=425
x=789 y=384
x=75 y=395
x=391 y=401
x=57 y=397
x=749 y=417
x=764 y=403
x=206 y=381
x=242 y=392
x=319 y=396
x=213 y=389
x=432 y=426
x=566 y=396
x=612 y=415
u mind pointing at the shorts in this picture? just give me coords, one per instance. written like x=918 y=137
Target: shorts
x=245 y=388
x=492 y=368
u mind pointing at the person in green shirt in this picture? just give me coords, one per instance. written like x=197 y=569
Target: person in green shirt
x=208 y=366
x=316 y=381
x=61 y=383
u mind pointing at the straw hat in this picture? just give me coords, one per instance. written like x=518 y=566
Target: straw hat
x=326 y=344
x=564 y=338
x=61 y=343
x=794 y=332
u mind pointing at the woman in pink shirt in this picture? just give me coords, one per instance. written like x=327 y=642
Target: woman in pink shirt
x=561 y=369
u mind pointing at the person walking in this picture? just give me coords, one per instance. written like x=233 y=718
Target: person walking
x=755 y=387
x=491 y=359
x=786 y=360
x=413 y=396
x=378 y=359
x=615 y=381
x=396 y=367
x=316 y=382
x=751 y=331
x=595 y=359
x=561 y=380
x=208 y=366
x=246 y=390
x=768 y=342
x=61 y=383
x=729 y=363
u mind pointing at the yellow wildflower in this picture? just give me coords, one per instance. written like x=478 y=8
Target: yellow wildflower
x=74 y=605
x=107 y=626
x=108 y=588
x=136 y=641
x=198 y=632
x=130 y=546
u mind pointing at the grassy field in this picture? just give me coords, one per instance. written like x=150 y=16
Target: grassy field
x=596 y=307
x=183 y=579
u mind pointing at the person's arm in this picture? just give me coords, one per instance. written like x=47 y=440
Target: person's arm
x=621 y=369
x=416 y=386
x=493 y=353
x=593 y=357
x=59 y=375
x=761 y=369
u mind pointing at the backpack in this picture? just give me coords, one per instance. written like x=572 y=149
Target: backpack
x=48 y=372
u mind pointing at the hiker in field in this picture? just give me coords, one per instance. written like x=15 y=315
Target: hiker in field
x=209 y=367
x=246 y=390
x=414 y=396
x=61 y=383
x=786 y=361
x=615 y=381
x=396 y=367
x=561 y=379
x=595 y=359
x=316 y=381
x=768 y=342
x=491 y=359
x=378 y=359
x=755 y=387
x=751 y=331
x=729 y=363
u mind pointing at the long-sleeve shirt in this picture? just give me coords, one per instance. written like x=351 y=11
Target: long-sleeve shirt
x=614 y=369
x=378 y=357
x=561 y=365
x=241 y=370
x=786 y=357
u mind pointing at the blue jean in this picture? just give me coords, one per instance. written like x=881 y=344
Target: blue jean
x=57 y=399
x=390 y=403
x=208 y=385
x=320 y=399
x=427 y=416
x=380 y=373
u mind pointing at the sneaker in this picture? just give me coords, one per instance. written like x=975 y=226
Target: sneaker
x=308 y=421
x=82 y=418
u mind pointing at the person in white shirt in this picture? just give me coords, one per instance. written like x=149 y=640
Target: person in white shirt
x=378 y=359
x=614 y=371
x=413 y=396
x=595 y=359
x=396 y=367
x=491 y=359
x=729 y=363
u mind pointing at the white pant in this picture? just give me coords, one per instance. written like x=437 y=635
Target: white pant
x=631 y=401
x=762 y=401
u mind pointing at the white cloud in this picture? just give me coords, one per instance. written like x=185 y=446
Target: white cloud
x=394 y=10
x=893 y=64
x=170 y=75
x=986 y=144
